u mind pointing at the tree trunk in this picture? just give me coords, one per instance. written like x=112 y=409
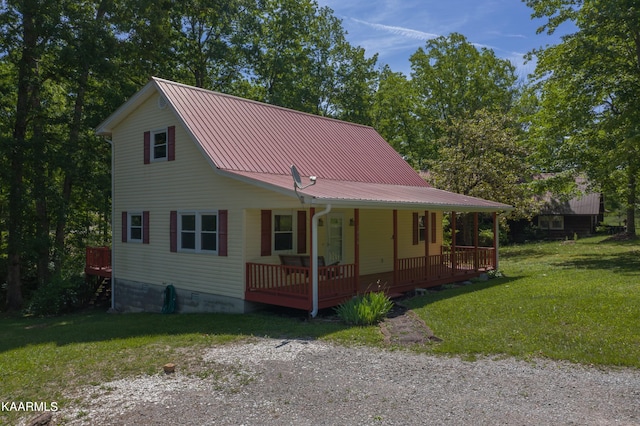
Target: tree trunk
x=73 y=143
x=26 y=85
x=39 y=178
x=632 y=200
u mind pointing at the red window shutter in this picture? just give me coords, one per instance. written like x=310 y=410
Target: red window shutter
x=302 y=231
x=147 y=147
x=173 y=231
x=171 y=143
x=433 y=227
x=145 y=227
x=223 y=216
x=125 y=227
x=416 y=229
x=265 y=233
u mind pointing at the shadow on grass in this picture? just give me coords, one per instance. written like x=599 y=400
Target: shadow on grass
x=448 y=293
x=626 y=263
x=99 y=326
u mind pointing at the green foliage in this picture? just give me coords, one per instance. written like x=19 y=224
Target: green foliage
x=66 y=66
x=592 y=77
x=481 y=156
x=57 y=297
x=367 y=309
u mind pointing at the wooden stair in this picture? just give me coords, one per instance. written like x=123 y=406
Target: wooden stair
x=102 y=294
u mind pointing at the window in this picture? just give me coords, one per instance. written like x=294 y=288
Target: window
x=159 y=145
x=422 y=222
x=551 y=222
x=135 y=227
x=282 y=232
x=198 y=231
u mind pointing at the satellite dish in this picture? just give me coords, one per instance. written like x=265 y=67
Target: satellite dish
x=297 y=181
x=296 y=177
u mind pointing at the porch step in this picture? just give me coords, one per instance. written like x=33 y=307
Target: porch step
x=395 y=295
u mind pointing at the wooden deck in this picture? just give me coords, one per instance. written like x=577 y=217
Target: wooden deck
x=98 y=262
x=290 y=286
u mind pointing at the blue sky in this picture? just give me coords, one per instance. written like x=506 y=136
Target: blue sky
x=396 y=28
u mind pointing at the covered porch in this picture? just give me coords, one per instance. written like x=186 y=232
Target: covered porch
x=291 y=286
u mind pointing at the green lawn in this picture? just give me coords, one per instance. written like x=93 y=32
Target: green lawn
x=578 y=302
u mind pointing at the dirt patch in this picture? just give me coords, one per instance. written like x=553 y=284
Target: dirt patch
x=404 y=327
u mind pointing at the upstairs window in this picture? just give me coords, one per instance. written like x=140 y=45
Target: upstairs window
x=159 y=147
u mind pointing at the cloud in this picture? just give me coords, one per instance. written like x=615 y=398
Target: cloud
x=401 y=31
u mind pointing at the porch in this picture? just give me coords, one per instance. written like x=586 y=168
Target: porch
x=290 y=286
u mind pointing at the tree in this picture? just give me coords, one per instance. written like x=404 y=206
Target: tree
x=28 y=32
x=593 y=78
x=303 y=61
x=483 y=157
x=393 y=117
x=452 y=80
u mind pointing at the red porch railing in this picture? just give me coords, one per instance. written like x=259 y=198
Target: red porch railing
x=290 y=286
x=469 y=257
x=98 y=261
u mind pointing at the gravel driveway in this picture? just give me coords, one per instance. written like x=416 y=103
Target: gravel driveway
x=297 y=382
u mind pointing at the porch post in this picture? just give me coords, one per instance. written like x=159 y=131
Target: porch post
x=426 y=243
x=496 y=237
x=312 y=212
x=454 y=263
x=356 y=231
x=395 y=247
x=476 y=244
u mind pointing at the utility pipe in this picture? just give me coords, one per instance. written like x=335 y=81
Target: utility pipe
x=314 y=262
x=113 y=218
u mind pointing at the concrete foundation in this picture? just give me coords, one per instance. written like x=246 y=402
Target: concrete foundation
x=133 y=296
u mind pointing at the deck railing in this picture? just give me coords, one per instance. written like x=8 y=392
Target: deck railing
x=97 y=260
x=469 y=257
x=291 y=285
x=294 y=281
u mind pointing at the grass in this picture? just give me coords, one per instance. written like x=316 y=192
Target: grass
x=42 y=359
x=578 y=302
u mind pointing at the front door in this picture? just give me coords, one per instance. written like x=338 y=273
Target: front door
x=334 y=249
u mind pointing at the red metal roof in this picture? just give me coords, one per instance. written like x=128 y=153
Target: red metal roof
x=258 y=143
x=388 y=195
x=242 y=135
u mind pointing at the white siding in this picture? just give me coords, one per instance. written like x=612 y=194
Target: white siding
x=191 y=183
x=188 y=183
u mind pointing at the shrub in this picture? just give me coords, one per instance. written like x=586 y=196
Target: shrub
x=367 y=309
x=56 y=297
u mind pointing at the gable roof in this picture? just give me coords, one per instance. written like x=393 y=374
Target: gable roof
x=257 y=143
x=587 y=203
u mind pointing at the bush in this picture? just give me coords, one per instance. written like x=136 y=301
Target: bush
x=56 y=297
x=367 y=309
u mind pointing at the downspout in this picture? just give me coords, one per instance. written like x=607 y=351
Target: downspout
x=314 y=262
x=113 y=217
x=496 y=239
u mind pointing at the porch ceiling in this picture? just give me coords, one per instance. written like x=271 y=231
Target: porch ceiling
x=371 y=195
